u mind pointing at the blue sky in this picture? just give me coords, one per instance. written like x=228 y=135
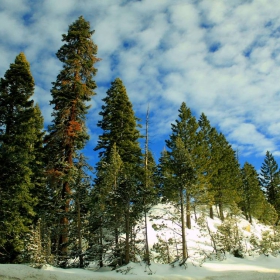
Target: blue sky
x=220 y=57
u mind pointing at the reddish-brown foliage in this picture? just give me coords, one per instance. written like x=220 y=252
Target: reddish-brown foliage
x=73 y=128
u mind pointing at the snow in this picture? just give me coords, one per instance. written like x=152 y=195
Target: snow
x=261 y=267
x=250 y=267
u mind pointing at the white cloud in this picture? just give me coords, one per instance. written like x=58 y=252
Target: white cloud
x=184 y=17
x=12 y=29
x=215 y=11
x=58 y=8
x=220 y=57
x=247 y=136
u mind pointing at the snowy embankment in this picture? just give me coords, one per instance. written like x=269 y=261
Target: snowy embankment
x=161 y=228
x=261 y=267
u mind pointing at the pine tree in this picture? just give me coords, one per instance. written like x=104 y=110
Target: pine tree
x=270 y=181
x=18 y=158
x=148 y=190
x=207 y=136
x=183 y=146
x=163 y=173
x=33 y=252
x=227 y=181
x=72 y=90
x=268 y=215
x=148 y=194
x=119 y=126
x=107 y=216
x=178 y=167
x=219 y=168
x=80 y=209
x=38 y=164
x=253 y=198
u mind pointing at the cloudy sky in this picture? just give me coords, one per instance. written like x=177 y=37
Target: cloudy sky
x=220 y=57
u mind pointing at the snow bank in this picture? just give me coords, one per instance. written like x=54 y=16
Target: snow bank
x=232 y=268
x=249 y=268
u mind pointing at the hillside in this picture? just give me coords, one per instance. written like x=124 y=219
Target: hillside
x=256 y=243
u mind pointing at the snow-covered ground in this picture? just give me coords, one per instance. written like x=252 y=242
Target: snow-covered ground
x=250 y=267
x=261 y=267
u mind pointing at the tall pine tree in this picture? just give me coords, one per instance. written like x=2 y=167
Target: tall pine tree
x=80 y=209
x=38 y=164
x=178 y=167
x=253 y=200
x=183 y=151
x=107 y=211
x=19 y=141
x=72 y=90
x=226 y=183
x=270 y=181
x=207 y=136
x=119 y=126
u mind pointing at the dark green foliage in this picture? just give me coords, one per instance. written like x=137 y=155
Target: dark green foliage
x=19 y=161
x=227 y=181
x=253 y=200
x=73 y=88
x=67 y=133
x=150 y=174
x=148 y=190
x=163 y=174
x=270 y=181
x=119 y=125
x=37 y=165
x=106 y=216
x=79 y=212
x=184 y=128
x=178 y=168
x=208 y=164
x=182 y=147
x=182 y=162
x=120 y=148
x=269 y=177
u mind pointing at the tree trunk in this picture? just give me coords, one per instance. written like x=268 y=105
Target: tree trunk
x=250 y=218
x=127 y=231
x=211 y=212
x=79 y=225
x=194 y=211
x=133 y=244
x=188 y=212
x=64 y=222
x=168 y=253
x=118 y=253
x=212 y=237
x=147 y=252
x=101 y=245
x=183 y=225
x=66 y=191
x=222 y=217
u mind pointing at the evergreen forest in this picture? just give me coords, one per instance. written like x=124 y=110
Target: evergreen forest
x=56 y=208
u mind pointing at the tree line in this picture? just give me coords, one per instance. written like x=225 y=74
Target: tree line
x=54 y=208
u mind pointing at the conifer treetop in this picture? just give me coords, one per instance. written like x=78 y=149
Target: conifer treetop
x=78 y=56
x=74 y=85
x=119 y=124
x=19 y=72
